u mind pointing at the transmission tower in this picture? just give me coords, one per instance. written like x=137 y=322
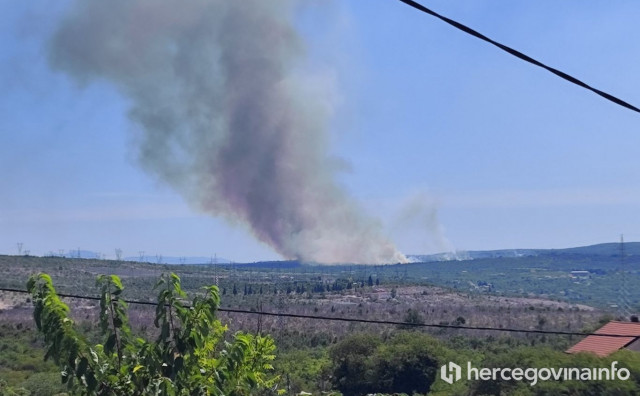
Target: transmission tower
x=214 y=263
x=624 y=304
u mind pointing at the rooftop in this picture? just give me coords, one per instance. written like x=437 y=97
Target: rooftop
x=604 y=346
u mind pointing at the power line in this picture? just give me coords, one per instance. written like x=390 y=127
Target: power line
x=520 y=55
x=354 y=320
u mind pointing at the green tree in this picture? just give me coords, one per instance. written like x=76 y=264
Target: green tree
x=189 y=356
x=6 y=390
x=405 y=363
x=353 y=373
x=538 y=357
x=413 y=317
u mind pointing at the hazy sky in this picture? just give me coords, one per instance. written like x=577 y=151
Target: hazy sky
x=450 y=142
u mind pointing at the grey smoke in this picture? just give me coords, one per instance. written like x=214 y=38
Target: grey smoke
x=224 y=118
x=419 y=214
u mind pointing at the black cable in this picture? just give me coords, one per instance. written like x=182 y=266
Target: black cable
x=520 y=55
x=335 y=319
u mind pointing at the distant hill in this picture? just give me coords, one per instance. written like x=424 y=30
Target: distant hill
x=602 y=249
x=88 y=254
x=179 y=260
x=473 y=254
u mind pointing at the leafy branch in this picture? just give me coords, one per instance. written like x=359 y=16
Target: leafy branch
x=189 y=357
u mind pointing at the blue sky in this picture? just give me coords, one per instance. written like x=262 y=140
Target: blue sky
x=498 y=153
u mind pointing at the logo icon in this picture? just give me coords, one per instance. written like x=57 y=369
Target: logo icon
x=451 y=373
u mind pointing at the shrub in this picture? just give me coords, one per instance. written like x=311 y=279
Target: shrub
x=189 y=357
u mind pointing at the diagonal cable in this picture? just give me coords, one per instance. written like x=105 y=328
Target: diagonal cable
x=520 y=55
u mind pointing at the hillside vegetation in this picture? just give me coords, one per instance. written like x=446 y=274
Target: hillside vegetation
x=351 y=358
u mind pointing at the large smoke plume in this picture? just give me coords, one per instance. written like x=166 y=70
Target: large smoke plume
x=223 y=117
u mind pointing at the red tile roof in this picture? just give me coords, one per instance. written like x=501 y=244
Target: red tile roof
x=602 y=345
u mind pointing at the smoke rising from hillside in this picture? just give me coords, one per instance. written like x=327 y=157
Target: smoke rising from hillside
x=224 y=118
x=419 y=216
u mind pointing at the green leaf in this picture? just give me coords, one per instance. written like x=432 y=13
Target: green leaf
x=116 y=281
x=110 y=344
x=91 y=381
x=82 y=367
x=165 y=332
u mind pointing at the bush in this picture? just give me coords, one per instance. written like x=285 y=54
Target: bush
x=406 y=363
x=189 y=357
x=43 y=384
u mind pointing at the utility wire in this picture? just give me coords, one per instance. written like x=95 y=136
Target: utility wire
x=520 y=55
x=355 y=320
